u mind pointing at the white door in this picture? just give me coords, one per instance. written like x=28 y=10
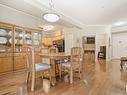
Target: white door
x=119 y=45
x=68 y=42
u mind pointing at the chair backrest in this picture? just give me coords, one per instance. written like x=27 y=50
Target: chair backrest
x=46 y=51
x=76 y=55
x=29 y=57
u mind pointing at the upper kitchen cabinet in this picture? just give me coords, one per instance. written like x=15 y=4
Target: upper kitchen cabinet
x=6 y=48
x=28 y=38
x=18 y=39
x=32 y=37
x=6 y=38
x=37 y=38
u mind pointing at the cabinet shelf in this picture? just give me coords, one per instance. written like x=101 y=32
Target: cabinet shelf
x=17 y=45
x=7 y=45
x=28 y=38
x=18 y=37
x=6 y=36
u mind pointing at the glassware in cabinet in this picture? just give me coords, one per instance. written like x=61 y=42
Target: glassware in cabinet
x=28 y=37
x=6 y=36
x=37 y=38
x=18 y=41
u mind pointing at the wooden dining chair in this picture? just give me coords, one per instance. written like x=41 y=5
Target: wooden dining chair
x=75 y=62
x=54 y=50
x=35 y=70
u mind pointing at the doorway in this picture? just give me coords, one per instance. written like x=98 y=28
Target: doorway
x=119 y=44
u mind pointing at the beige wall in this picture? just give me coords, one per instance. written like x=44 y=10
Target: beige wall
x=16 y=17
x=73 y=37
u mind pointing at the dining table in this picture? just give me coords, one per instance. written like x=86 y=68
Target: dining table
x=53 y=57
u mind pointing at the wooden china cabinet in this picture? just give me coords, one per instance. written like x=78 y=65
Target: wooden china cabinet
x=18 y=43
x=12 y=39
x=6 y=48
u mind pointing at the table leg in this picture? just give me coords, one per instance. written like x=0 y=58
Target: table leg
x=53 y=76
x=71 y=76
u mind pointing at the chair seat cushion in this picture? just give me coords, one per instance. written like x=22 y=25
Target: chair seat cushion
x=42 y=66
x=66 y=64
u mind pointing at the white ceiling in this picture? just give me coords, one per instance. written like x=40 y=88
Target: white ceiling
x=79 y=12
x=35 y=11
x=92 y=12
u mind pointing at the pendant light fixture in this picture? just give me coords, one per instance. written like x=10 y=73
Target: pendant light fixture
x=51 y=16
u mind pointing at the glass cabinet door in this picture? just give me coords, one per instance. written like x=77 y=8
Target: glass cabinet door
x=6 y=38
x=18 y=41
x=37 y=38
x=28 y=37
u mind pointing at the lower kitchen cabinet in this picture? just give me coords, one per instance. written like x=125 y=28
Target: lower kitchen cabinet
x=6 y=62
x=19 y=61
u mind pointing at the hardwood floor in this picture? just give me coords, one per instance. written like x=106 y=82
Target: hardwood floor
x=99 y=78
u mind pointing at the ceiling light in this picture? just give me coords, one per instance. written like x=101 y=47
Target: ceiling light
x=51 y=16
x=48 y=28
x=118 y=23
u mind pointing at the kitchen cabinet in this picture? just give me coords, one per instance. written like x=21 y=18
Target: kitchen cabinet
x=12 y=39
x=59 y=44
x=6 y=48
x=89 y=49
x=19 y=62
x=6 y=62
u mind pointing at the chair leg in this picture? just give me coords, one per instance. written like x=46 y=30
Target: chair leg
x=71 y=76
x=32 y=81
x=60 y=70
x=27 y=78
x=80 y=72
x=50 y=76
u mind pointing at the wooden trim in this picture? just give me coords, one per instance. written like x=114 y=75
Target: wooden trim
x=54 y=36
x=21 y=26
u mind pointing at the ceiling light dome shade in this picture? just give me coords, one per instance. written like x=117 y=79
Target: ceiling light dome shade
x=51 y=17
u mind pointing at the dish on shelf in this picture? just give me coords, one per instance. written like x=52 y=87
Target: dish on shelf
x=10 y=33
x=3 y=32
x=36 y=42
x=15 y=41
x=3 y=40
x=18 y=34
x=28 y=35
x=28 y=42
x=15 y=33
x=36 y=35
x=21 y=41
x=10 y=40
